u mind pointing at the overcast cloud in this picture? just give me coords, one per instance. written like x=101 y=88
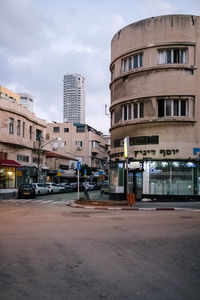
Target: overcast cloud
x=41 y=40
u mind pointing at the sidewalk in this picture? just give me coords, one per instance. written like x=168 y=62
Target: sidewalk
x=122 y=205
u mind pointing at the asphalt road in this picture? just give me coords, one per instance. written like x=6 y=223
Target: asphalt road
x=57 y=252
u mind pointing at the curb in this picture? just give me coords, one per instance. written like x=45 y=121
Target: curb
x=132 y=208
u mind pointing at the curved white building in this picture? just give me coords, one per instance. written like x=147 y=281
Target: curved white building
x=155 y=102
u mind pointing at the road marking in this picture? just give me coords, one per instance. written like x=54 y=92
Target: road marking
x=24 y=201
x=48 y=201
x=13 y=200
x=58 y=202
x=36 y=201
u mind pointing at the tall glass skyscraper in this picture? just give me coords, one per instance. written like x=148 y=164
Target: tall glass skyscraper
x=74 y=98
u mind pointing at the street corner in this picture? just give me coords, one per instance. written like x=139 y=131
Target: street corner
x=129 y=208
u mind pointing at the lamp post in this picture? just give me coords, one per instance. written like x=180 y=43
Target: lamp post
x=40 y=146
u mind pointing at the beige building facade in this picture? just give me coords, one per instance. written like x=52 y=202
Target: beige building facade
x=80 y=141
x=155 y=103
x=8 y=94
x=20 y=131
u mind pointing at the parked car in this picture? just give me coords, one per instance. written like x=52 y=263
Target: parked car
x=26 y=190
x=51 y=187
x=97 y=185
x=105 y=188
x=69 y=189
x=74 y=186
x=62 y=188
x=40 y=189
x=90 y=185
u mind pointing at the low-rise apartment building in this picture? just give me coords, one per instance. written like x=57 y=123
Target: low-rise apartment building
x=20 y=131
x=80 y=141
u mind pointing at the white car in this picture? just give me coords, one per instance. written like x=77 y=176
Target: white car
x=40 y=189
x=52 y=187
x=89 y=185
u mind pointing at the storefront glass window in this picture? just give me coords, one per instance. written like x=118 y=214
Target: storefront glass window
x=117 y=178
x=7 y=177
x=171 y=178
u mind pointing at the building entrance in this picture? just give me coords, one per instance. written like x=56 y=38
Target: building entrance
x=135 y=183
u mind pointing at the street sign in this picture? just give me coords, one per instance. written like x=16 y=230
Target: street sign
x=126 y=144
x=78 y=166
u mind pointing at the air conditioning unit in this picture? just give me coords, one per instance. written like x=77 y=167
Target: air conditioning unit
x=79 y=147
x=55 y=148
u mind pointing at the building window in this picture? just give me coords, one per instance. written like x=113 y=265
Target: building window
x=63 y=144
x=23 y=158
x=3 y=155
x=95 y=144
x=112 y=72
x=47 y=136
x=30 y=132
x=66 y=129
x=133 y=111
x=172 y=107
x=113 y=117
x=80 y=129
x=125 y=109
x=23 y=129
x=119 y=143
x=56 y=129
x=11 y=126
x=79 y=144
x=172 y=56
x=144 y=140
x=139 y=140
x=18 y=127
x=132 y=62
x=38 y=134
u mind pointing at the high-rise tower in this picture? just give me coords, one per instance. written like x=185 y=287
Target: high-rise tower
x=27 y=101
x=74 y=98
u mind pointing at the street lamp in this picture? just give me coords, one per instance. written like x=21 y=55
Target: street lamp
x=40 y=146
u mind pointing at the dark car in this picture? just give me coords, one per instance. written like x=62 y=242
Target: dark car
x=67 y=187
x=26 y=190
x=74 y=186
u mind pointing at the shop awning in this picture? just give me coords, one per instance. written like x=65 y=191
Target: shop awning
x=9 y=163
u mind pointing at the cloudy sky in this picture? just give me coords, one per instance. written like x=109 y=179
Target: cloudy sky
x=41 y=40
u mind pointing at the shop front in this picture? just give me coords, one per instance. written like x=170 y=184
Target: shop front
x=171 y=180
x=8 y=173
x=157 y=180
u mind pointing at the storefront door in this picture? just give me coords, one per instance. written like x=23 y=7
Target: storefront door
x=135 y=183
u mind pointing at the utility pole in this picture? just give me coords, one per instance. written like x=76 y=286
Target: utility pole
x=39 y=151
x=78 y=167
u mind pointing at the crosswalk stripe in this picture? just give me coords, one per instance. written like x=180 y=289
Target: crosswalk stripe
x=33 y=201
x=37 y=201
x=24 y=201
x=10 y=200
